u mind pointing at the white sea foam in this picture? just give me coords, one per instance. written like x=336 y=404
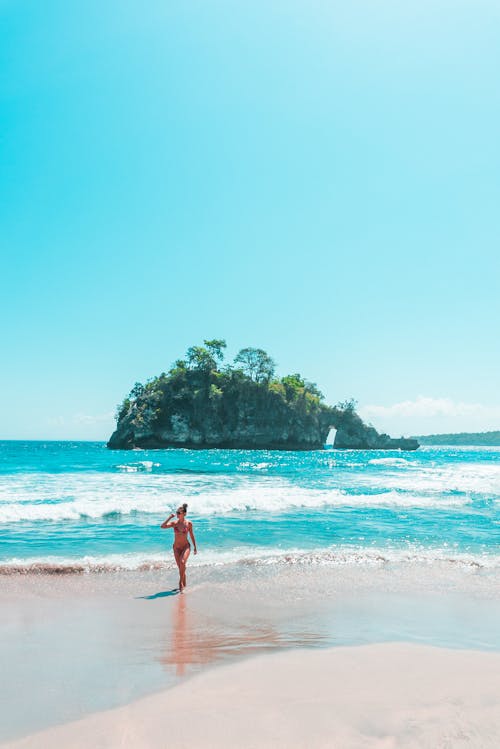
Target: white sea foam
x=391 y=462
x=477 y=478
x=142 y=465
x=137 y=488
x=60 y=497
x=330 y=557
x=263 y=466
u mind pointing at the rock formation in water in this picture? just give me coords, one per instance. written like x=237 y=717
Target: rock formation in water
x=353 y=433
x=199 y=404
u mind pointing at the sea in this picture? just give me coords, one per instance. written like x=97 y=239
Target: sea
x=295 y=550
x=77 y=506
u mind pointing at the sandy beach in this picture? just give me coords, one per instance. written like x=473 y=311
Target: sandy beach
x=387 y=695
x=251 y=657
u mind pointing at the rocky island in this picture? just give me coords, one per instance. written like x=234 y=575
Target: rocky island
x=202 y=403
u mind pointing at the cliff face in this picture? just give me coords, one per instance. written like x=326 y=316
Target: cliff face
x=243 y=414
x=352 y=433
x=207 y=409
x=370 y=439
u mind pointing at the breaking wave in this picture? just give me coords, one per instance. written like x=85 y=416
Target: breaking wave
x=114 y=501
x=142 y=465
x=391 y=462
x=258 y=557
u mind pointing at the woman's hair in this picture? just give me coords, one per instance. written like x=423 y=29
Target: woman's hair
x=183 y=508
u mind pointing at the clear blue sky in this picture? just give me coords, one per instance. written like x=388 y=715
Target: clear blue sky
x=320 y=179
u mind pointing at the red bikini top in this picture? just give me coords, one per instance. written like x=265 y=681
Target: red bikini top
x=181 y=530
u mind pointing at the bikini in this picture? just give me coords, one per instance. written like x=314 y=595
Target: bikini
x=185 y=532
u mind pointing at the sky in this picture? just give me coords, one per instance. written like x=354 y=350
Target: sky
x=318 y=179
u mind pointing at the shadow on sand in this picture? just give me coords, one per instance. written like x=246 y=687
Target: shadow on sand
x=161 y=594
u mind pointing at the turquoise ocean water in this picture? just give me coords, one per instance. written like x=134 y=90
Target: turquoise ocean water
x=296 y=549
x=77 y=503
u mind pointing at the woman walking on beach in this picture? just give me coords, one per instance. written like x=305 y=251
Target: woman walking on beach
x=182 y=547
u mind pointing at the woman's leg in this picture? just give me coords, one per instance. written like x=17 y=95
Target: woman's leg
x=182 y=567
x=177 y=556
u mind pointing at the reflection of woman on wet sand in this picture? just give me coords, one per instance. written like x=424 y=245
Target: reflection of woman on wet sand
x=192 y=640
x=182 y=547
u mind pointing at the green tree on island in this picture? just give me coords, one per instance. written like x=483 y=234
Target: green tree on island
x=256 y=363
x=199 y=403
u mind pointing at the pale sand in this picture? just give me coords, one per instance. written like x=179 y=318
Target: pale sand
x=387 y=695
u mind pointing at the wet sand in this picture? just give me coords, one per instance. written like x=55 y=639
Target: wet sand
x=377 y=696
x=76 y=645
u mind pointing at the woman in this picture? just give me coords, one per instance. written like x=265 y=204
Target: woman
x=182 y=547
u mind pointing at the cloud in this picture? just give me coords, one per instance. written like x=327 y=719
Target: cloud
x=80 y=418
x=88 y=419
x=424 y=406
x=56 y=421
x=427 y=414
x=79 y=426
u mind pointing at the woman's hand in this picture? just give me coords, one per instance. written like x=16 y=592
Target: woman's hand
x=195 y=550
x=166 y=523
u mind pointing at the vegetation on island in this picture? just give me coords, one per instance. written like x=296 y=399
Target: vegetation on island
x=204 y=401
x=480 y=439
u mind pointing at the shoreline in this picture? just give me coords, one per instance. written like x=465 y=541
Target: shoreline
x=333 y=557
x=74 y=645
x=369 y=696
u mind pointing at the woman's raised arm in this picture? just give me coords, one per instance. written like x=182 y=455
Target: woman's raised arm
x=166 y=523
